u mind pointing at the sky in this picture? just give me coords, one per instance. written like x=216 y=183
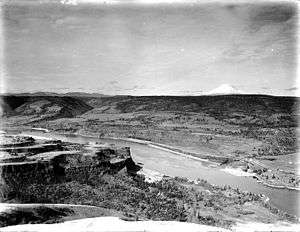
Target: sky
x=141 y=48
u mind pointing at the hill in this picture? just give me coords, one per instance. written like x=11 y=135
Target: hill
x=256 y=108
x=42 y=107
x=247 y=110
x=68 y=94
x=222 y=125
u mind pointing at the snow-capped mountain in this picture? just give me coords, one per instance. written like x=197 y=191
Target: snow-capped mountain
x=224 y=89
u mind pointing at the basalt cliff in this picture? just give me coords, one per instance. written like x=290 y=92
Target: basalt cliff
x=26 y=161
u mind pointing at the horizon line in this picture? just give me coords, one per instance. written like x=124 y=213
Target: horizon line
x=156 y=95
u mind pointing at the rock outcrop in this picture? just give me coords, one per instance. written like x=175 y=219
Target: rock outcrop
x=23 y=166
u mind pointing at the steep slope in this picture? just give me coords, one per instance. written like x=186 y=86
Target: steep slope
x=43 y=106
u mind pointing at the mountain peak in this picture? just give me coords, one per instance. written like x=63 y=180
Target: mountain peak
x=224 y=89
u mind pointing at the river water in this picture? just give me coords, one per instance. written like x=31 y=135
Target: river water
x=175 y=165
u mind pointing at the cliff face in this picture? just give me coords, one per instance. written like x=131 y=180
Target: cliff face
x=15 y=176
x=102 y=161
x=58 y=165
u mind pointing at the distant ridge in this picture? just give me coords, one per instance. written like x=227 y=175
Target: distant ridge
x=224 y=89
x=46 y=107
x=68 y=94
x=221 y=90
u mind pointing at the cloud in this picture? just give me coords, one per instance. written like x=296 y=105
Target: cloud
x=291 y=89
x=113 y=82
x=170 y=49
x=274 y=13
x=116 y=87
x=269 y=32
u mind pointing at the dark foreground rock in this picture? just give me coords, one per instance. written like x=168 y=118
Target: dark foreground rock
x=58 y=165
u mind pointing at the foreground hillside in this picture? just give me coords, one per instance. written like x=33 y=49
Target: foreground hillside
x=50 y=181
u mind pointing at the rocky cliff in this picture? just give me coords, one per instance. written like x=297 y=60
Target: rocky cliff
x=24 y=166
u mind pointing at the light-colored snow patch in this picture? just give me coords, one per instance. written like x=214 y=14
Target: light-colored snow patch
x=115 y=224
x=237 y=172
x=257 y=226
x=224 y=89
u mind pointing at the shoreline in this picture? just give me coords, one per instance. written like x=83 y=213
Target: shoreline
x=88 y=135
x=162 y=147
x=228 y=169
x=259 y=180
x=174 y=151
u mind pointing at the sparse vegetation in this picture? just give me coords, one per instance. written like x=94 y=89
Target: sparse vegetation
x=236 y=130
x=169 y=199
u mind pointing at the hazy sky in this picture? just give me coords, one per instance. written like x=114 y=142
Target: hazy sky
x=145 y=49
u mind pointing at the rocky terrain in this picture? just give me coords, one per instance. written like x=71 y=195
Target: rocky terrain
x=25 y=161
x=35 y=180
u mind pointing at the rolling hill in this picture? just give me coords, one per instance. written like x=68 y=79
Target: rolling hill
x=237 y=109
x=262 y=108
x=43 y=107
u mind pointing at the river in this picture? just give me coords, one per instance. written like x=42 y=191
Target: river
x=175 y=165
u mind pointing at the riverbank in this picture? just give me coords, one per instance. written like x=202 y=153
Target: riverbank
x=167 y=161
x=165 y=148
x=277 y=186
x=230 y=170
x=211 y=161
